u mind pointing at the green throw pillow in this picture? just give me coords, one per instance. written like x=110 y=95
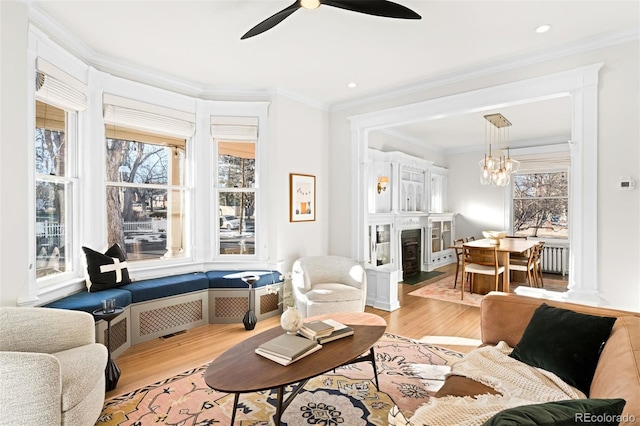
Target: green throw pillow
x=564 y=342
x=602 y=412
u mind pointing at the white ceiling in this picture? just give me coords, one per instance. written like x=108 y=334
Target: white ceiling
x=312 y=55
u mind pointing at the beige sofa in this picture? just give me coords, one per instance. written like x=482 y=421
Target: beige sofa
x=504 y=317
x=51 y=369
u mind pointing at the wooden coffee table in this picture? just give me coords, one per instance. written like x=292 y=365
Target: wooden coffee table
x=241 y=370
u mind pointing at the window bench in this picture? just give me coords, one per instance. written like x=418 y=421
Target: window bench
x=161 y=306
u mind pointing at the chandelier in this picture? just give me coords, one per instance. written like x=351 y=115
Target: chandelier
x=496 y=171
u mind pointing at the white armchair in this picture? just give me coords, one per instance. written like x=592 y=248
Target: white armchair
x=328 y=284
x=51 y=369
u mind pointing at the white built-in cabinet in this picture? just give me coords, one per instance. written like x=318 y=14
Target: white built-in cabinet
x=441 y=237
x=403 y=193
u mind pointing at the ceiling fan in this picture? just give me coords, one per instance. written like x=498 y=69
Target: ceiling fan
x=384 y=8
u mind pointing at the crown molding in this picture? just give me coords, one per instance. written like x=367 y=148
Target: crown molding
x=303 y=99
x=496 y=67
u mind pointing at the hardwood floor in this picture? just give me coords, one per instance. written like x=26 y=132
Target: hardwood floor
x=441 y=323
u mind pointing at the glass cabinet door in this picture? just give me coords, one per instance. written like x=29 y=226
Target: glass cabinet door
x=436 y=237
x=447 y=239
x=380 y=237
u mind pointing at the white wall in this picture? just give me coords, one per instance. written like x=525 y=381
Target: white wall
x=618 y=154
x=301 y=140
x=479 y=207
x=13 y=151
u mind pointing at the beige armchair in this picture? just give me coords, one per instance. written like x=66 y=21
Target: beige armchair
x=328 y=284
x=51 y=369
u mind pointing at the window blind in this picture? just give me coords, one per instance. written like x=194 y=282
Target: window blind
x=146 y=117
x=55 y=87
x=235 y=128
x=542 y=158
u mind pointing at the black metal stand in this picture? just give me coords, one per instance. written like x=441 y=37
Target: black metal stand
x=250 y=320
x=111 y=371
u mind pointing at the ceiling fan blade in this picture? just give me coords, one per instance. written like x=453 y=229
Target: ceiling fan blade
x=384 y=8
x=272 y=21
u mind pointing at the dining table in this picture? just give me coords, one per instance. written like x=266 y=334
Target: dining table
x=505 y=247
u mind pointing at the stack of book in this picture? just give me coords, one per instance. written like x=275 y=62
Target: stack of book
x=315 y=329
x=287 y=348
x=329 y=330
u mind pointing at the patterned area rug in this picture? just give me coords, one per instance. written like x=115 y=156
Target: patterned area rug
x=443 y=290
x=409 y=372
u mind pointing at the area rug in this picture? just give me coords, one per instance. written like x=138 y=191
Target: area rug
x=443 y=290
x=409 y=372
x=421 y=276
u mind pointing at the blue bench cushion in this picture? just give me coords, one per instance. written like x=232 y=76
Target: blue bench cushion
x=217 y=278
x=156 y=288
x=89 y=302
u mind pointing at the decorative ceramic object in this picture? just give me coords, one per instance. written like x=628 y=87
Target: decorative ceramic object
x=291 y=320
x=250 y=320
x=494 y=236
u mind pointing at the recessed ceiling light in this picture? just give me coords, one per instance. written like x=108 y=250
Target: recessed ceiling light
x=352 y=85
x=543 y=28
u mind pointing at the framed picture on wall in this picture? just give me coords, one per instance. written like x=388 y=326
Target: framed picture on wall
x=302 y=198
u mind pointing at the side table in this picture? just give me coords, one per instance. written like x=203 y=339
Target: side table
x=111 y=371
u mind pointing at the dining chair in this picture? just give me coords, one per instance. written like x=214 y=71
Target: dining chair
x=519 y=257
x=458 y=251
x=480 y=260
x=526 y=264
x=471 y=238
x=539 y=251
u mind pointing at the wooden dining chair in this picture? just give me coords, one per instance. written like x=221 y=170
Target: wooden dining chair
x=526 y=264
x=458 y=252
x=471 y=238
x=518 y=258
x=539 y=250
x=480 y=260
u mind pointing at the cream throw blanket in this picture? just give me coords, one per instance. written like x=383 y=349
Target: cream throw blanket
x=517 y=383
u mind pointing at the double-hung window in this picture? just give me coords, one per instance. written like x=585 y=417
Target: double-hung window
x=147 y=191
x=540 y=204
x=235 y=140
x=59 y=98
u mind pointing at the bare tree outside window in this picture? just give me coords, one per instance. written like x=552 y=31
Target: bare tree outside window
x=145 y=199
x=540 y=205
